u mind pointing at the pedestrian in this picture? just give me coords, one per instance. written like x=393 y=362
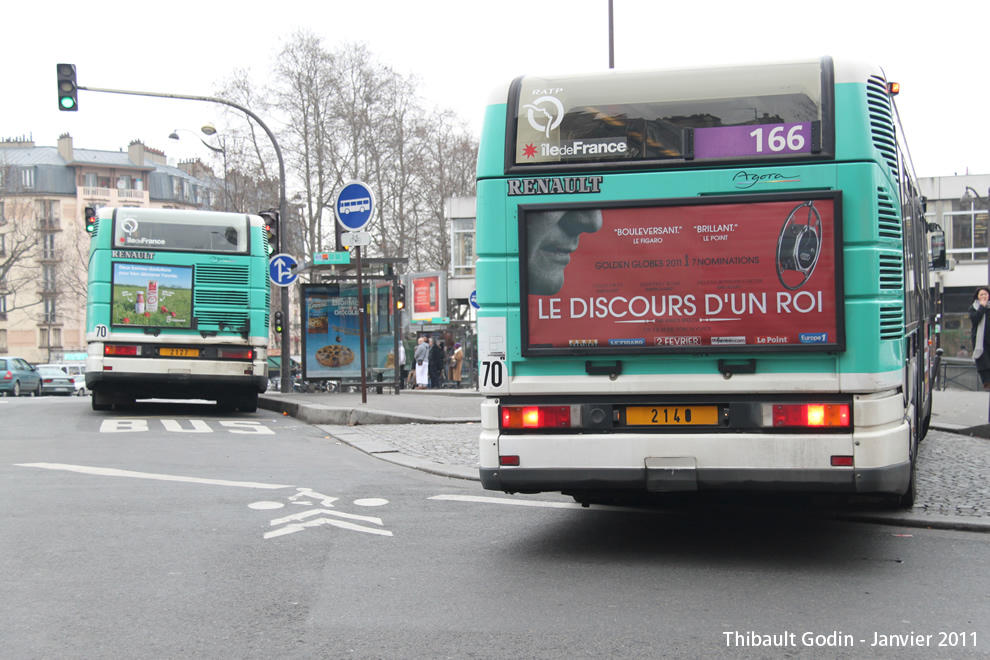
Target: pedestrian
x=402 y=365
x=422 y=356
x=436 y=363
x=980 y=335
x=456 y=360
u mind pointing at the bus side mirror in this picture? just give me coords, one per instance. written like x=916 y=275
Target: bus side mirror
x=937 y=240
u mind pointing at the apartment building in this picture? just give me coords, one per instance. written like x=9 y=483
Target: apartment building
x=44 y=249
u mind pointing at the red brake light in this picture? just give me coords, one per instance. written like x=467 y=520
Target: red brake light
x=8 y=376
x=536 y=417
x=811 y=415
x=120 y=349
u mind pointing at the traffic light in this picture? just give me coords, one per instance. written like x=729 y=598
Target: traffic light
x=400 y=296
x=271 y=229
x=68 y=94
x=90 y=220
x=278 y=323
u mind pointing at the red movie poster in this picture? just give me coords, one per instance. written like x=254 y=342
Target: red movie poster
x=736 y=275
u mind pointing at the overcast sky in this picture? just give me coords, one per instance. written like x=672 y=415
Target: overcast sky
x=462 y=49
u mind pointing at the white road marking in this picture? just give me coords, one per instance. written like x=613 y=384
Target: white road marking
x=300 y=526
x=545 y=505
x=264 y=506
x=112 y=472
x=502 y=500
x=371 y=501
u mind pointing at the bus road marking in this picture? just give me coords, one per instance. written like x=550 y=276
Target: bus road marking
x=113 y=472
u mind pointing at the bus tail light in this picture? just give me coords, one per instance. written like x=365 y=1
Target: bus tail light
x=842 y=461
x=807 y=415
x=536 y=417
x=235 y=353
x=120 y=349
x=512 y=461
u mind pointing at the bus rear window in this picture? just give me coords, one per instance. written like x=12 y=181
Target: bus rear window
x=705 y=114
x=192 y=231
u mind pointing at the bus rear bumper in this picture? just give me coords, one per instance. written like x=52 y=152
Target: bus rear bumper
x=892 y=479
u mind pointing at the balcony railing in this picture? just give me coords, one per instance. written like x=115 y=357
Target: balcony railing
x=111 y=196
x=50 y=255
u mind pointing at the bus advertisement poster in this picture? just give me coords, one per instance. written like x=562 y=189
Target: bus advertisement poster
x=701 y=275
x=156 y=296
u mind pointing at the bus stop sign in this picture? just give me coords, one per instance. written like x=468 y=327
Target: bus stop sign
x=354 y=205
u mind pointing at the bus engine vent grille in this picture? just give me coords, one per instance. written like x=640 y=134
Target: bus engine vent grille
x=891 y=273
x=214 y=298
x=238 y=276
x=889 y=219
x=230 y=320
x=892 y=322
x=882 y=122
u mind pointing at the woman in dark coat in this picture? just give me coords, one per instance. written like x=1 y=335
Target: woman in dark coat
x=436 y=362
x=981 y=334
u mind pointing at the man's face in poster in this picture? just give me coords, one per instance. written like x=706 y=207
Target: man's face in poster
x=551 y=237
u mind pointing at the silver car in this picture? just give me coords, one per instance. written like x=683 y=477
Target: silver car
x=56 y=381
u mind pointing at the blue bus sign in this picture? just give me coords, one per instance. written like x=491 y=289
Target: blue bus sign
x=354 y=206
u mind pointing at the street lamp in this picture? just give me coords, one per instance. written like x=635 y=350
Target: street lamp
x=210 y=129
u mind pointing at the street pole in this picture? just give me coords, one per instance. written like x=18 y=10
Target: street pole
x=283 y=207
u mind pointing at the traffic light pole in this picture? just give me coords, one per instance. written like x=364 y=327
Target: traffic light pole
x=285 y=373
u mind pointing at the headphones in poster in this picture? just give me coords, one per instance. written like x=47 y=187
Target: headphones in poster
x=798 y=245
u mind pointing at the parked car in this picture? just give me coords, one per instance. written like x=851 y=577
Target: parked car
x=18 y=377
x=77 y=372
x=56 y=381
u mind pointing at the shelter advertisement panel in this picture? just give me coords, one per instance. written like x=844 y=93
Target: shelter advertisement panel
x=710 y=275
x=156 y=296
x=428 y=295
x=331 y=339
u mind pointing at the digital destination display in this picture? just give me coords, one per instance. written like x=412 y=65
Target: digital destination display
x=730 y=274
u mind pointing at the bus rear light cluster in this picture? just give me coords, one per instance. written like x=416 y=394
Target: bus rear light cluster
x=807 y=415
x=120 y=349
x=537 y=417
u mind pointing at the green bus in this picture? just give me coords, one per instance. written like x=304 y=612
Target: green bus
x=711 y=278
x=177 y=307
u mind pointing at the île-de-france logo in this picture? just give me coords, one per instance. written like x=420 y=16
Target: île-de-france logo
x=545 y=114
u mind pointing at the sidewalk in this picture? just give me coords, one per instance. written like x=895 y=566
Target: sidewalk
x=954 y=460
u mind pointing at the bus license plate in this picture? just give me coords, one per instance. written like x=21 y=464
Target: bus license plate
x=179 y=352
x=671 y=415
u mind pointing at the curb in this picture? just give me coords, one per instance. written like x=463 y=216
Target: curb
x=317 y=413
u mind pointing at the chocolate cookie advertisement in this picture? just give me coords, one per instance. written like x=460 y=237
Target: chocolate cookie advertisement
x=700 y=275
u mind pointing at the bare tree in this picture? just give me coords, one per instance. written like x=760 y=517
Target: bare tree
x=19 y=242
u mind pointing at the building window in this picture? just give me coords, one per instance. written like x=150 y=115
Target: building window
x=3 y=308
x=48 y=247
x=90 y=180
x=462 y=246
x=49 y=337
x=123 y=182
x=27 y=177
x=3 y=341
x=50 y=311
x=966 y=230
x=48 y=278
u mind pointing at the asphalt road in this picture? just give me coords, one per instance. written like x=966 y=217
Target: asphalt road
x=170 y=531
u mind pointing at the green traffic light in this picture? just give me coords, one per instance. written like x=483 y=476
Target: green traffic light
x=67 y=102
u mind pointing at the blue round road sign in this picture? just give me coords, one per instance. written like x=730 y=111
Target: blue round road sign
x=354 y=206
x=280 y=270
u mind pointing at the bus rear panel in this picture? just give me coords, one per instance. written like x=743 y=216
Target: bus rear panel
x=704 y=279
